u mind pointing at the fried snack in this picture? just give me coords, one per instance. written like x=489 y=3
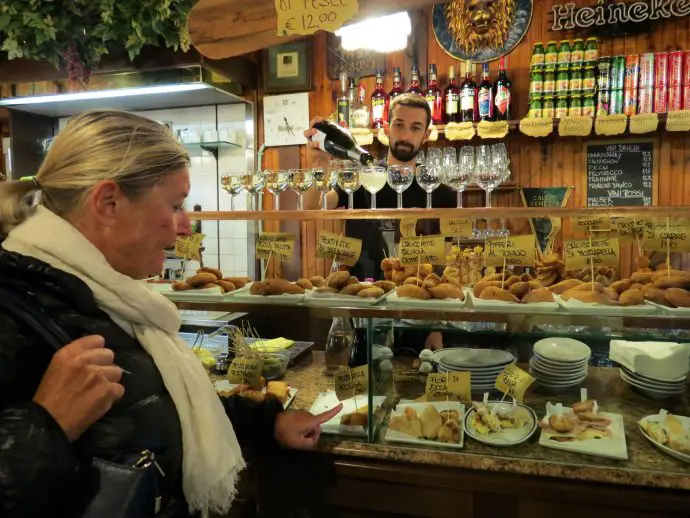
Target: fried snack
x=431 y=422
x=412 y=292
x=323 y=290
x=535 y=284
x=283 y=287
x=200 y=279
x=513 y=279
x=226 y=285
x=428 y=284
x=642 y=261
x=259 y=288
x=670 y=273
x=610 y=293
x=519 y=289
x=355 y=419
x=239 y=282
x=386 y=286
x=338 y=280
x=388 y=275
x=210 y=285
x=564 y=286
x=387 y=264
x=446 y=291
x=631 y=298
x=181 y=286
x=603 y=280
x=305 y=283
x=622 y=285
x=591 y=297
x=432 y=277
x=214 y=271
x=492 y=277
x=353 y=289
x=563 y=423
x=589 y=286
x=449 y=432
x=452 y=280
x=424 y=270
x=548 y=276
x=678 y=297
x=641 y=277
x=373 y=292
x=583 y=407
x=317 y=281
x=482 y=285
x=255 y=395
x=415 y=281
x=638 y=286
x=538 y=295
x=672 y=282
x=352 y=280
x=279 y=390
x=656 y=295
x=496 y=293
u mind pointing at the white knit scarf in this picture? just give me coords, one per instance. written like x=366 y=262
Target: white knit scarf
x=212 y=458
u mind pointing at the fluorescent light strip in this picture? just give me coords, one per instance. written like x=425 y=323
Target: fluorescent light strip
x=104 y=94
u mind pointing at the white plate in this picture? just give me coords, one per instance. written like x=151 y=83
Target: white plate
x=562 y=349
x=330 y=299
x=650 y=387
x=268 y=299
x=613 y=447
x=513 y=307
x=561 y=364
x=599 y=310
x=477 y=358
x=395 y=436
x=226 y=385
x=443 y=305
x=508 y=437
x=673 y=453
x=205 y=295
x=327 y=400
x=681 y=312
x=655 y=381
x=558 y=377
x=557 y=370
x=555 y=383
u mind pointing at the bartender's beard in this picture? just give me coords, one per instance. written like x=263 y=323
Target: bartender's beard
x=404 y=151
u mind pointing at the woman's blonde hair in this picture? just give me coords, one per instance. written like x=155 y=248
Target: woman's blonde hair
x=95 y=145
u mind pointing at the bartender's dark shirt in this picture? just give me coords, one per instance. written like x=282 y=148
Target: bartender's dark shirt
x=374 y=248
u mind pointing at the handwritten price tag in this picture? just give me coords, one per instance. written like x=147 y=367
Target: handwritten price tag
x=498 y=129
x=456 y=227
x=306 y=17
x=515 y=251
x=451 y=386
x=345 y=249
x=629 y=229
x=600 y=251
x=538 y=127
x=678 y=121
x=246 y=371
x=644 y=123
x=460 y=131
x=351 y=382
x=427 y=249
x=408 y=227
x=514 y=382
x=592 y=223
x=575 y=126
x=275 y=245
x=673 y=236
x=611 y=124
x=189 y=247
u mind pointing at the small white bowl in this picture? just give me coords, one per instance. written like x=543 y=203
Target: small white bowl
x=562 y=349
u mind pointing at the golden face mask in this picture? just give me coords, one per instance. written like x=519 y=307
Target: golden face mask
x=477 y=24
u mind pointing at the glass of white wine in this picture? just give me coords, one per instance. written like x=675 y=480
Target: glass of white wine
x=276 y=183
x=373 y=180
x=325 y=181
x=429 y=177
x=232 y=184
x=253 y=183
x=400 y=177
x=300 y=181
x=349 y=181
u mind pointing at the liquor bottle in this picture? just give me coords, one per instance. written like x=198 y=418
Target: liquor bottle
x=379 y=102
x=337 y=141
x=451 y=98
x=485 y=96
x=397 y=87
x=468 y=97
x=344 y=102
x=414 y=82
x=502 y=93
x=360 y=109
x=434 y=97
x=352 y=95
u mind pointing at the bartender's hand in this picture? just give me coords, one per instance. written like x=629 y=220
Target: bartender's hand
x=317 y=158
x=299 y=429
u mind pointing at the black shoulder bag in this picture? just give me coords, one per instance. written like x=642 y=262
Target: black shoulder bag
x=115 y=490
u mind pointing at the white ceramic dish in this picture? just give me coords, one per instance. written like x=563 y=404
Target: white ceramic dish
x=329 y=299
x=477 y=358
x=327 y=400
x=642 y=377
x=512 y=307
x=226 y=385
x=558 y=377
x=613 y=447
x=547 y=367
x=680 y=312
x=507 y=437
x=584 y=308
x=562 y=349
x=659 y=389
x=268 y=299
x=561 y=364
x=395 y=436
x=673 y=453
x=205 y=295
x=443 y=305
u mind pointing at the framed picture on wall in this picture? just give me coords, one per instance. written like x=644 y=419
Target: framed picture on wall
x=287 y=67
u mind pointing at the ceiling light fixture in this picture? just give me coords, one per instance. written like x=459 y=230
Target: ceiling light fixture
x=382 y=34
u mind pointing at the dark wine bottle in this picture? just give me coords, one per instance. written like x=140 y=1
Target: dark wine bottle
x=338 y=142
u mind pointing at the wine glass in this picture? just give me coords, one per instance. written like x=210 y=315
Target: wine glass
x=232 y=184
x=253 y=182
x=349 y=180
x=500 y=159
x=420 y=159
x=300 y=181
x=373 y=180
x=429 y=177
x=459 y=176
x=400 y=178
x=276 y=183
x=434 y=156
x=450 y=156
x=325 y=181
x=487 y=176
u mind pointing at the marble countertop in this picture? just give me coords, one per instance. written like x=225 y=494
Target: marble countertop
x=646 y=465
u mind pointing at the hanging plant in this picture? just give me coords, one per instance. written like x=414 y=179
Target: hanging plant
x=76 y=33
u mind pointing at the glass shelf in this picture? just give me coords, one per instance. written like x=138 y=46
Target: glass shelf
x=211 y=147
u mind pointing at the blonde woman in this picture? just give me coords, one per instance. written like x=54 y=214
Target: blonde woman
x=112 y=189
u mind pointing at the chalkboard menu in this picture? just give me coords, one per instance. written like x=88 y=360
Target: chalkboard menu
x=619 y=174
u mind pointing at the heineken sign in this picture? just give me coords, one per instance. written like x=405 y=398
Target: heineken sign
x=568 y=17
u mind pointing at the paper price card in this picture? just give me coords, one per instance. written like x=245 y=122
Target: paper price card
x=678 y=121
x=644 y=123
x=498 y=129
x=408 y=227
x=275 y=245
x=423 y=249
x=460 y=131
x=660 y=234
x=580 y=253
x=538 y=127
x=611 y=124
x=575 y=126
x=629 y=229
x=515 y=251
x=592 y=223
x=245 y=371
x=351 y=382
x=456 y=226
x=450 y=386
x=189 y=247
x=337 y=247
x=308 y=16
x=514 y=382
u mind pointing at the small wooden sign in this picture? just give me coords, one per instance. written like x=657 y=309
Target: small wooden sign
x=536 y=127
x=644 y=123
x=275 y=245
x=678 y=120
x=496 y=129
x=351 y=382
x=245 y=371
x=575 y=126
x=611 y=124
x=338 y=248
x=592 y=223
x=408 y=227
x=514 y=382
x=189 y=247
x=629 y=229
x=460 y=131
x=511 y=251
x=669 y=235
x=456 y=227
x=449 y=386
x=599 y=251
x=307 y=17
x=423 y=249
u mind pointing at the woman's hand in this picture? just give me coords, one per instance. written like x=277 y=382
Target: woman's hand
x=299 y=429
x=80 y=385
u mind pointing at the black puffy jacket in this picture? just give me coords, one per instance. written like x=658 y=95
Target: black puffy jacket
x=39 y=468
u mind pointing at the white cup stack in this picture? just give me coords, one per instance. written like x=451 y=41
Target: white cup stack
x=559 y=364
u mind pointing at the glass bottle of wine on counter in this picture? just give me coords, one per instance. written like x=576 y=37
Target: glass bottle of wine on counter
x=397 y=87
x=379 y=102
x=360 y=109
x=337 y=141
x=485 y=96
x=434 y=97
x=344 y=102
x=451 y=98
x=468 y=97
x=415 y=87
x=502 y=92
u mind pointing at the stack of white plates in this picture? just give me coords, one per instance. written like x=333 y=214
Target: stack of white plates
x=654 y=388
x=484 y=365
x=559 y=363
